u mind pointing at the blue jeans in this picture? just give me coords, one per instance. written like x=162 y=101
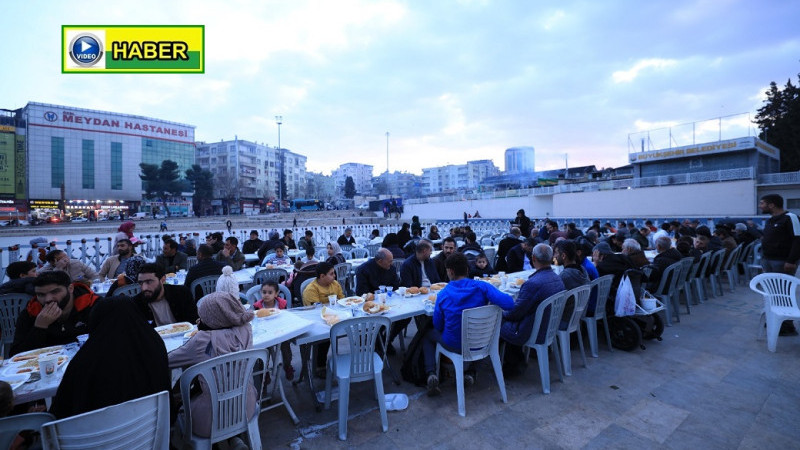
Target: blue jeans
x=429 y=341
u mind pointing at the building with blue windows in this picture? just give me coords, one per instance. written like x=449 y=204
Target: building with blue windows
x=86 y=162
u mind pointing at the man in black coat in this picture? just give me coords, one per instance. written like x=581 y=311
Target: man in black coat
x=506 y=244
x=206 y=266
x=377 y=272
x=253 y=244
x=666 y=257
x=515 y=259
x=161 y=303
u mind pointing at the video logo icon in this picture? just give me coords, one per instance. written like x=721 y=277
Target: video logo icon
x=86 y=49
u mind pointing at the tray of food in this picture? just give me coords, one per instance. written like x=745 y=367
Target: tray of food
x=174 y=329
x=351 y=301
x=29 y=366
x=375 y=308
x=267 y=313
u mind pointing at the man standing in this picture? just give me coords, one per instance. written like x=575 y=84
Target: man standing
x=517 y=323
x=516 y=257
x=230 y=254
x=161 y=303
x=448 y=248
x=205 y=266
x=780 y=243
x=347 y=238
x=460 y=294
x=253 y=244
x=116 y=264
x=171 y=260
x=376 y=272
x=523 y=223
x=506 y=244
x=56 y=315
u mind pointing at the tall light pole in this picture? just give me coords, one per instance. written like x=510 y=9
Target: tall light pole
x=387 y=153
x=279 y=121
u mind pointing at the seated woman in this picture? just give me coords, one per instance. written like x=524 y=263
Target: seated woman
x=123 y=359
x=335 y=255
x=224 y=328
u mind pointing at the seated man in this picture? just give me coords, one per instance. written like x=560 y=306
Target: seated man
x=631 y=248
x=517 y=324
x=56 y=315
x=171 y=260
x=347 y=238
x=307 y=240
x=78 y=271
x=230 y=254
x=253 y=244
x=666 y=257
x=460 y=293
x=470 y=243
x=610 y=263
x=506 y=244
x=518 y=256
x=410 y=246
x=288 y=241
x=279 y=258
x=418 y=269
x=215 y=241
x=116 y=264
x=375 y=237
x=161 y=303
x=21 y=275
x=376 y=272
x=448 y=248
x=206 y=266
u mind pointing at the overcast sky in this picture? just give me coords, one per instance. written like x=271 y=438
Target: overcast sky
x=451 y=81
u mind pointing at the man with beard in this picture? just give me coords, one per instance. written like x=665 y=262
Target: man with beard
x=56 y=315
x=448 y=248
x=161 y=303
x=116 y=264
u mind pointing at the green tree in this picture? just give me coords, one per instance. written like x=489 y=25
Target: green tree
x=349 y=188
x=779 y=123
x=203 y=187
x=382 y=186
x=161 y=183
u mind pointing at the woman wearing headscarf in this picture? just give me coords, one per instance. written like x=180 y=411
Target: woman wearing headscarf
x=123 y=359
x=335 y=255
x=125 y=231
x=224 y=328
x=131 y=275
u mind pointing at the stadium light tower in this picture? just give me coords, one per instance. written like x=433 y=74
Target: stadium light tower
x=279 y=121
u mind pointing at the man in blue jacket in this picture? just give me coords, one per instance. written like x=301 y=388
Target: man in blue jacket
x=460 y=293
x=418 y=269
x=518 y=322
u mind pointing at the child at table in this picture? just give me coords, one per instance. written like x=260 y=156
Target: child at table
x=482 y=267
x=270 y=299
x=278 y=258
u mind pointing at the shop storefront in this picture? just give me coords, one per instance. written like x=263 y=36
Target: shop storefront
x=98 y=209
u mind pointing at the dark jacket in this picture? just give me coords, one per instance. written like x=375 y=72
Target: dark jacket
x=515 y=259
x=411 y=272
x=180 y=301
x=267 y=246
x=289 y=243
x=203 y=268
x=177 y=262
x=517 y=323
x=251 y=246
x=471 y=246
x=638 y=259
x=22 y=285
x=28 y=337
x=438 y=261
x=524 y=225
x=642 y=240
x=403 y=236
x=506 y=244
x=397 y=252
x=344 y=240
x=370 y=276
x=661 y=262
x=614 y=264
x=236 y=260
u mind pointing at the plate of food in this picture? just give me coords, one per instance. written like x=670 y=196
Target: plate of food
x=30 y=366
x=190 y=334
x=438 y=286
x=375 y=308
x=330 y=316
x=351 y=301
x=35 y=354
x=16 y=380
x=174 y=329
x=413 y=290
x=267 y=313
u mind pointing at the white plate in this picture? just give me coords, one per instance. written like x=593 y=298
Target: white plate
x=16 y=380
x=271 y=316
x=330 y=311
x=28 y=367
x=34 y=354
x=165 y=331
x=350 y=301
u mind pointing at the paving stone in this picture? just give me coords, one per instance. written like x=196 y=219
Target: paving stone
x=653 y=419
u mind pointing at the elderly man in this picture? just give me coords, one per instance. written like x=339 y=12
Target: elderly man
x=171 y=260
x=519 y=256
x=116 y=264
x=253 y=244
x=418 y=269
x=610 y=263
x=517 y=325
x=161 y=303
x=667 y=255
x=632 y=249
x=460 y=294
x=448 y=248
x=347 y=238
x=59 y=260
x=230 y=254
x=376 y=272
x=507 y=243
x=206 y=265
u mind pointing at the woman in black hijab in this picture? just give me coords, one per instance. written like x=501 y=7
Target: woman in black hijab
x=391 y=243
x=123 y=359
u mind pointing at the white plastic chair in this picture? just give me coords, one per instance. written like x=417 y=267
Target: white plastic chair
x=602 y=285
x=780 y=303
x=361 y=364
x=667 y=291
x=753 y=265
x=129 y=290
x=730 y=268
x=206 y=284
x=10 y=306
x=228 y=377
x=252 y=295
x=714 y=274
x=372 y=249
x=304 y=285
x=555 y=304
x=276 y=275
x=687 y=265
x=480 y=338
x=142 y=423
x=581 y=296
x=700 y=276
x=360 y=253
x=11 y=426
x=341 y=271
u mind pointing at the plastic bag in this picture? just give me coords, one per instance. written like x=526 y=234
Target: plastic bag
x=625 y=302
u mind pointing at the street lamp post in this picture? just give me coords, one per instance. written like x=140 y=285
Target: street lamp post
x=279 y=121
x=387 y=153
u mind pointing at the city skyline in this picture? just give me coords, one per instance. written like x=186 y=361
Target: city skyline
x=451 y=82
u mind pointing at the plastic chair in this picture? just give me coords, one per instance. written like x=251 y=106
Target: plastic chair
x=341 y=271
x=667 y=291
x=581 y=296
x=361 y=364
x=304 y=285
x=129 y=290
x=347 y=254
x=360 y=253
x=11 y=426
x=206 y=284
x=142 y=423
x=286 y=294
x=10 y=306
x=745 y=256
x=730 y=268
x=191 y=262
x=229 y=378
x=555 y=305
x=602 y=285
x=276 y=275
x=780 y=303
x=713 y=274
x=252 y=295
x=480 y=338
x=398 y=264
x=372 y=249
x=491 y=255
x=754 y=266
x=684 y=287
x=699 y=285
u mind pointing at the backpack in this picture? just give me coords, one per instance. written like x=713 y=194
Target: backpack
x=413 y=368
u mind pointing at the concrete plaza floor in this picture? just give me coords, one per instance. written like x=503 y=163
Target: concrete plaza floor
x=710 y=383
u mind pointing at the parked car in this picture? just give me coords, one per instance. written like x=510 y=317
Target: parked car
x=139 y=216
x=79 y=219
x=363 y=206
